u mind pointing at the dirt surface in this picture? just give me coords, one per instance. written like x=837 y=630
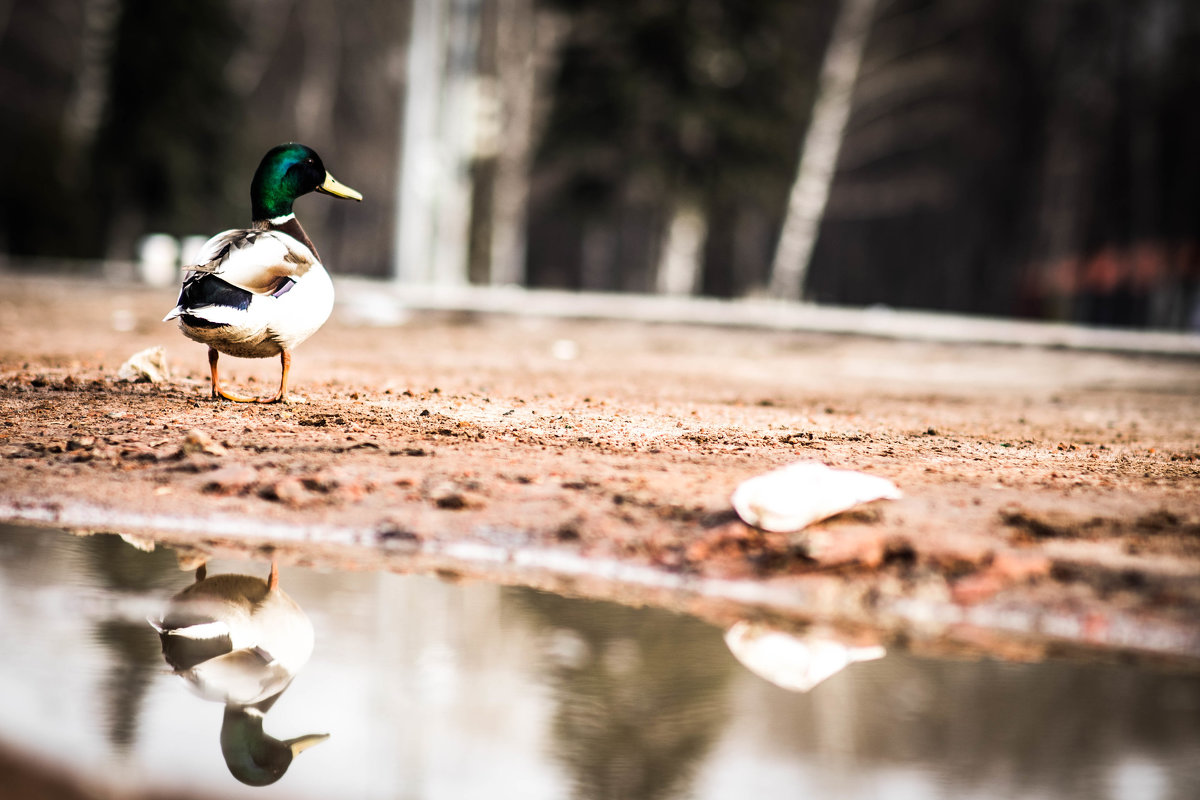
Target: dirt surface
x=1050 y=496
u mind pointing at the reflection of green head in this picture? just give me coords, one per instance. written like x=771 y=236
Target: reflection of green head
x=254 y=757
x=286 y=172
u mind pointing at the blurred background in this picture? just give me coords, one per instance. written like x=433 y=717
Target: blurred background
x=1027 y=158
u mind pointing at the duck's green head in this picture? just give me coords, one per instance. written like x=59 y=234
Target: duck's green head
x=287 y=172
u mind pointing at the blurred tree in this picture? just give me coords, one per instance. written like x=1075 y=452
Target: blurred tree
x=160 y=158
x=123 y=117
x=821 y=146
x=668 y=105
x=1001 y=156
x=42 y=196
x=1021 y=157
x=331 y=75
x=119 y=112
x=518 y=44
x=640 y=694
x=927 y=197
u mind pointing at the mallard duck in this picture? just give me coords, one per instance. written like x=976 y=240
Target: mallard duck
x=258 y=292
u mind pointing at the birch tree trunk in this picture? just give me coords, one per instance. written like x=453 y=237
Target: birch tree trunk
x=89 y=95
x=516 y=40
x=819 y=152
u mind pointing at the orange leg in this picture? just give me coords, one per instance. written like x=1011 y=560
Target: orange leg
x=217 y=391
x=285 y=360
x=285 y=366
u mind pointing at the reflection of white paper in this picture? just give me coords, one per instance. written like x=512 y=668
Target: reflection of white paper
x=792 y=497
x=795 y=661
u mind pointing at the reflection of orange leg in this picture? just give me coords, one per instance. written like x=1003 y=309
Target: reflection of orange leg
x=217 y=391
x=273 y=578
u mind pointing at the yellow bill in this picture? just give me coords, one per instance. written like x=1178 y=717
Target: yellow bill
x=333 y=187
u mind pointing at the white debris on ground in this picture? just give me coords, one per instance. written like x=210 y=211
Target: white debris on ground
x=149 y=365
x=797 y=662
x=144 y=543
x=792 y=497
x=565 y=349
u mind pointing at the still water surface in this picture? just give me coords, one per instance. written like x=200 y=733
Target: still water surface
x=430 y=689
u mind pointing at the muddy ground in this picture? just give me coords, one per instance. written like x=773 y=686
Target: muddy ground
x=1051 y=496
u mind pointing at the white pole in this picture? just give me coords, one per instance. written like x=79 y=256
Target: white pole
x=437 y=144
x=682 y=252
x=417 y=183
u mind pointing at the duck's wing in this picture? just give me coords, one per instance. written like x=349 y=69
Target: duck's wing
x=235 y=265
x=254 y=260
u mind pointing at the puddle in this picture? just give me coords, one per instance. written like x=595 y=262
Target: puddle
x=431 y=688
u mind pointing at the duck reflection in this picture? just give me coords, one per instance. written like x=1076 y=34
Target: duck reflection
x=240 y=640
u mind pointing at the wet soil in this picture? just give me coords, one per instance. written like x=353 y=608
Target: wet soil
x=1053 y=494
